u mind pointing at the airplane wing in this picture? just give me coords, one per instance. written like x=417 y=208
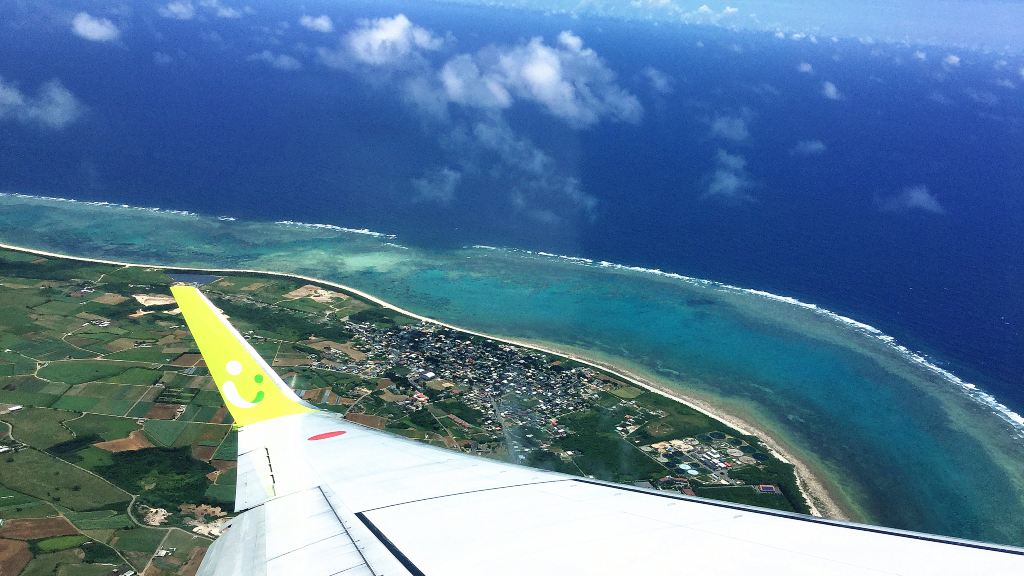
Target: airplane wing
x=320 y=495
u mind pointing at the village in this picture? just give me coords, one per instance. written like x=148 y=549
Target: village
x=512 y=402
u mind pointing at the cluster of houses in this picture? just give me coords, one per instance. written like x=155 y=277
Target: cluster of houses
x=509 y=385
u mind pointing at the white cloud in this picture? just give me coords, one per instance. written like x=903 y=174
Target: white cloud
x=920 y=55
x=533 y=177
x=223 y=11
x=437 y=185
x=830 y=91
x=320 y=23
x=178 y=10
x=805 y=67
x=54 y=107
x=912 y=198
x=765 y=90
x=730 y=128
x=1021 y=72
x=660 y=82
x=424 y=93
x=652 y=3
x=809 y=148
x=704 y=14
x=465 y=84
x=951 y=60
x=730 y=180
x=389 y=41
x=568 y=81
x=571 y=41
x=162 y=58
x=279 y=61
x=93 y=28
x=514 y=150
x=981 y=96
x=467 y=95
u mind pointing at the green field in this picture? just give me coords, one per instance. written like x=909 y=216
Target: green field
x=89 y=457
x=183 y=543
x=138 y=539
x=195 y=413
x=42 y=476
x=222 y=491
x=228 y=448
x=17 y=505
x=98 y=519
x=137 y=544
x=101 y=397
x=153 y=354
x=208 y=398
x=29 y=391
x=628 y=392
x=86 y=569
x=60 y=543
x=202 y=434
x=49 y=564
x=681 y=421
x=40 y=427
x=9 y=498
x=164 y=432
x=140 y=409
x=31 y=384
x=136 y=376
x=745 y=495
x=602 y=453
x=105 y=427
x=80 y=371
x=12 y=363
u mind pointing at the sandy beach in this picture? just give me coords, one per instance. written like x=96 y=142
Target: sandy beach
x=818 y=498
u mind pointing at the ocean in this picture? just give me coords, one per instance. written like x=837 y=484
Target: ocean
x=889 y=434
x=895 y=198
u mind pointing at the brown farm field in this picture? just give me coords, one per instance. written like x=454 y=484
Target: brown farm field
x=204 y=453
x=14 y=555
x=36 y=528
x=163 y=412
x=135 y=441
x=377 y=422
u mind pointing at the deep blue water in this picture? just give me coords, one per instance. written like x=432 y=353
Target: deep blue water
x=216 y=133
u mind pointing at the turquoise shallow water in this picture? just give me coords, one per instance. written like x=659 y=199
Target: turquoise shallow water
x=898 y=443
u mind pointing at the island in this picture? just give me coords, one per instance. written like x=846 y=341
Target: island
x=117 y=454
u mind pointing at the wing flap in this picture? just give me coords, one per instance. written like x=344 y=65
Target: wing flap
x=255 y=483
x=580 y=527
x=293 y=534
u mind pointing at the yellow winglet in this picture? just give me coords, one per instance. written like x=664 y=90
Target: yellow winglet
x=251 y=389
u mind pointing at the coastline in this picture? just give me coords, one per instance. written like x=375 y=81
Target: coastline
x=814 y=492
